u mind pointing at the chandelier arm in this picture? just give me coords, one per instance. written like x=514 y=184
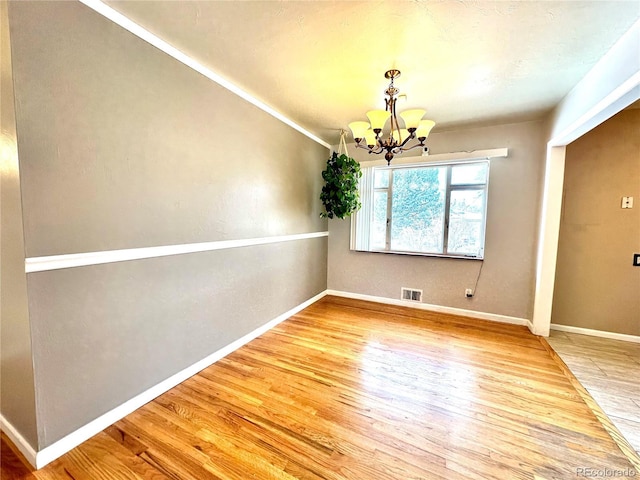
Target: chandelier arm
x=365 y=147
x=369 y=149
x=411 y=136
x=394 y=118
x=404 y=149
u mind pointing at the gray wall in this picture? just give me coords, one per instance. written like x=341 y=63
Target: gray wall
x=17 y=397
x=105 y=333
x=596 y=285
x=508 y=275
x=122 y=147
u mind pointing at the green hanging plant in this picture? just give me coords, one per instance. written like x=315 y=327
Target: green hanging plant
x=340 y=193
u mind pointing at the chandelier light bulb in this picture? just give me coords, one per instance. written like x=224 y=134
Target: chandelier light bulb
x=370 y=137
x=412 y=118
x=378 y=118
x=358 y=129
x=424 y=128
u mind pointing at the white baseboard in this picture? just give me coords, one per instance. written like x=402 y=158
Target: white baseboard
x=18 y=440
x=596 y=333
x=434 y=308
x=62 y=446
x=530 y=327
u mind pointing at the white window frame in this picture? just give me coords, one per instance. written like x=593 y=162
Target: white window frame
x=361 y=221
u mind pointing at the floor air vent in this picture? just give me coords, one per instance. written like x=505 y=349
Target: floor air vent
x=411 y=294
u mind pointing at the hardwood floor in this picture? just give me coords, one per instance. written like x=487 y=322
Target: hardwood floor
x=352 y=390
x=610 y=371
x=13 y=466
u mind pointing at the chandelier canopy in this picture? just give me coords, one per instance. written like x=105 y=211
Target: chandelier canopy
x=370 y=136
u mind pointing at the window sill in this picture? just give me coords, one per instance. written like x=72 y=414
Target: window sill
x=422 y=254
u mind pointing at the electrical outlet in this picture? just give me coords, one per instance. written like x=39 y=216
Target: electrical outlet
x=468 y=293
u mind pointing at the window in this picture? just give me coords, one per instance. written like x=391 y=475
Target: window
x=425 y=210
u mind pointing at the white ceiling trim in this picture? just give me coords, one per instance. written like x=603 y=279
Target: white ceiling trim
x=165 y=47
x=600 y=112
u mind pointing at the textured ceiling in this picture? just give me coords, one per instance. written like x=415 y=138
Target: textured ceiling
x=321 y=63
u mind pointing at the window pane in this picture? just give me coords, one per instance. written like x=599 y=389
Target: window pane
x=465 y=221
x=381 y=178
x=469 y=174
x=378 y=233
x=418 y=209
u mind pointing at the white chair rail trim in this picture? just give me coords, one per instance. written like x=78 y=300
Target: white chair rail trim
x=56 y=262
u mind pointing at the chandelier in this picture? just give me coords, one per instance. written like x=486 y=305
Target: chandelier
x=370 y=137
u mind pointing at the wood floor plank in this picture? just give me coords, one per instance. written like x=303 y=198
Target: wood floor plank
x=353 y=390
x=13 y=466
